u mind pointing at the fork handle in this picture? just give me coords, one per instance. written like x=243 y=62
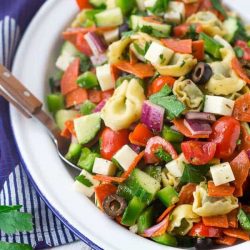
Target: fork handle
x=18 y=95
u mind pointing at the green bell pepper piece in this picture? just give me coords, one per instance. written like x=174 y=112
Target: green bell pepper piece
x=145 y=220
x=55 y=102
x=87 y=80
x=73 y=152
x=124 y=191
x=166 y=239
x=243 y=220
x=168 y=196
x=211 y=46
x=87 y=159
x=171 y=135
x=87 y=107
x=133 y=211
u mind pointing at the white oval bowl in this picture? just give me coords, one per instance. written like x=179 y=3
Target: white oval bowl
x=33 y=65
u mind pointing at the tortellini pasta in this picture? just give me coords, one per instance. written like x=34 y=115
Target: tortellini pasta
x=182 y=219
x=188 y=93
x=211 y=25
x=168 y=179
x=179 y=65
x=205 y=205
x=125 y=106
x=224 y=80
x=116 y=49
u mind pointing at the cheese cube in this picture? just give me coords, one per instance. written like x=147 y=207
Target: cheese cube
x=86 y=187
x=149 y=3
x=104 y=167
x=175 y=12
x=176 y=167
x=158 y=54
x=125 y=156
x=111 y=36
x=222 y=173
x=64 y=60
x=104 y=76
x=172 y=17
x=218 y=105
x=140 y=5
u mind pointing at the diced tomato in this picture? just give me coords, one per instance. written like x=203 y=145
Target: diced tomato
x=153 y=145
x=236 y=65
x=107 y=94
x=111 y=141
x=84 y=4
x=186 y=194
x=246 y=49
x=226 y=132
x=140 y=135
x=95 y=96
x=182 y=29
x=68 y=81
x=242 y=108
x=200 y=230
x=240 y=167
x=192 y=8
x=102 y=191
x=159 y=82
x=198 y=50
x=82 y=45
x=179 y=123
x=197 y=152
x=75 y=97
x=179 y=46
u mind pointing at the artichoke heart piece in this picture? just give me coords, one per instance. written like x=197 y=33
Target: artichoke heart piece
x=224 y=80
x=205 y=205
x=125 y=106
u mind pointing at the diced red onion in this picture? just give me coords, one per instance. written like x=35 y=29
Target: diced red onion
x=152 y=116
x=123 y=28
x=136 y=148
x=99 y=59
x=174 y=128
x=150 y=231
x=200 y=116
x=96 y=43
x=100 y=106
x=197 y=127
x=248 y=153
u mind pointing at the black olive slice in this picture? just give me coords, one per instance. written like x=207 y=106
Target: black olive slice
x=202 y=73
x=203 y=243
x=114 y=205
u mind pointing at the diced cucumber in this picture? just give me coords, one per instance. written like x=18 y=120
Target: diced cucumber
x=55 y=102
x=138 y=22
x=166 y=239
x=154 y=171
x=168 y=196
x=133 y=211
x=145 y=220
x=231 y=26
x=97 y=3
x=64 y=115
x=86 y=127
x=143 y=185
x=69 y=49
x=73 y=152
x=125 y=192
x=110 y=17
x=87 y=159
x=125 y=5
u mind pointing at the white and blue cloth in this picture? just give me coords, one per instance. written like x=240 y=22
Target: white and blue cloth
x=15 y=188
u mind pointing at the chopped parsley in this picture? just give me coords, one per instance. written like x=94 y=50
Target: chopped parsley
x=82 y=179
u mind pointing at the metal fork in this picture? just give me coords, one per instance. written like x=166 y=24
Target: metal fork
x=20 y=97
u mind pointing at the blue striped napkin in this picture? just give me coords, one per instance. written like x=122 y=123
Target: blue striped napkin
x=15 y=188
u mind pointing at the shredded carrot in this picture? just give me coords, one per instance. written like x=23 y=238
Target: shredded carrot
x=216 y=221
x=140 y=70
x=152 y=19
x=132 y=57
x=126 y=174
x=225 y=240
x=237 y=233
x=219 y=191
x=84 y=4
x=232 y=218
x=179 y=123
x=179 y=46
x=165 y=213
x=108 y=179
x=115 y=72
x=198 y=50
x=240 y=167
x=65 y=133
x=119 y=219
x=75 y=97
x=70 y=126
x=163 y=228
x=239 y=70
x=186 y=194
